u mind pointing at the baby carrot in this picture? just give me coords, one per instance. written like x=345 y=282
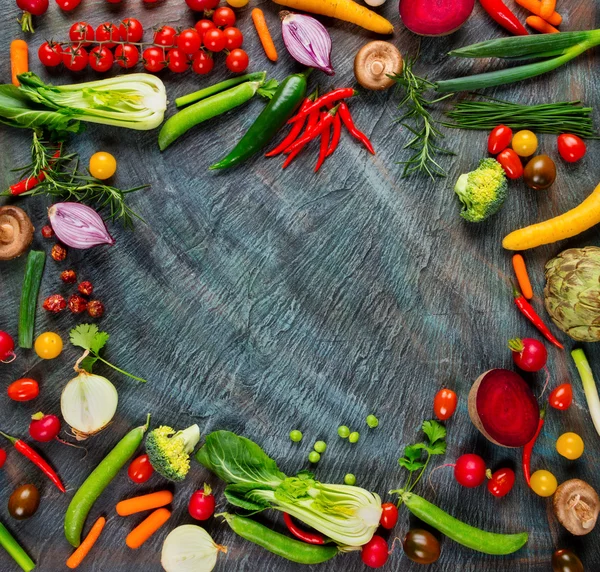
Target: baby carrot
x=539 y=24
x=144 y=502
x=78 y=556
x=547 y=8
x=147 y=528
x=19 y=59
x=264 y=35
x=522 y=276
x=535 y=7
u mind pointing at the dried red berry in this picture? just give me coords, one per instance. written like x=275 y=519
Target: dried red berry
x=77 y=304
x=68 y=276
x=95 y=308
x=55 y=303
x=86 y=288
x=47 y=231
x=59 y=252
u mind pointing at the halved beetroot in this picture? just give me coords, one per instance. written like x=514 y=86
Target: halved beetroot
x=435 y=17
x=503 y=408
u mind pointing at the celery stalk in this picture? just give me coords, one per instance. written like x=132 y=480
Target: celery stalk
x=589 y=386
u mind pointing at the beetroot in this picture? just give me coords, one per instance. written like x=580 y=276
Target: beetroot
x=435 y=17
x=503 y=408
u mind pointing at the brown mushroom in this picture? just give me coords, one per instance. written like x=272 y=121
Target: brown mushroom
x=16 y=232
x=374 y=62
x=576 y=506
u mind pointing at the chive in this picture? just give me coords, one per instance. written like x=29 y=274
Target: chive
x=31 y=287
x=219 y=87
x=8 y=542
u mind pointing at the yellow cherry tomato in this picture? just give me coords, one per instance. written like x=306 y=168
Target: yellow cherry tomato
x=543 y=483
x=48 y=345
x=102 y=165
x=570 y=445
x=237 y=3
x=525 y=143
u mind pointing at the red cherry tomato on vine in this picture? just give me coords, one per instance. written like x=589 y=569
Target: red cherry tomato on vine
x=237 y=61
x=131 y=30
x=233 y=38
x=202 y=63
x=189 y=41
x=562 y=397
x=101 y=59
x=224 y=17
x=81 y=32
x=501 y=483
x=50 y=55
x=127 y=55
x=203 y=26
x=499 y=139
x=67 y=5
x=389 y=515
x=7 y=347
x=165 y=36
x=202 y=504
x=24 y=389
x=44 y=428
x=201 y=5
x=108 y=34
x=511 y=163
x=375 y=553
x=214 y=40
x=444 y=404
x=2 y=457
x=571 y=147
x=469 y=471
x=140 y=469
x=74 y=58
x=154 y=59
x=177 y=61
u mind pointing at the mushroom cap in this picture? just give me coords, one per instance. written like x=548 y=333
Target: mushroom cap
x=374 y=62
x=576 y=506
x=16 y=232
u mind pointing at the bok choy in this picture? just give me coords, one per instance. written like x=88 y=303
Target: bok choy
x=348 y=515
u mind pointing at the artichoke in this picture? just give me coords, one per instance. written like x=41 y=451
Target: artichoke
x=572 y=292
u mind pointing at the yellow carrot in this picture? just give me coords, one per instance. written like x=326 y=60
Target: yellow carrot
x=82 y=551
x=571 y=223
x=264 y=35
x=538 y=23
x=19 y=59
x=346 y=10
x=147 y=528
x=547 y=8
x=535 y=7
x=522 y=276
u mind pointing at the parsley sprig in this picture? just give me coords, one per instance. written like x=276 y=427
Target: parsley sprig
x=88 y=337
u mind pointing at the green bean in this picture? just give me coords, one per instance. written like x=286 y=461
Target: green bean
x=98 y=480
x=204 y=110
x=8 y=542
x=279 y=544
x=218 y=87
x=29 y=294
x=465 y=534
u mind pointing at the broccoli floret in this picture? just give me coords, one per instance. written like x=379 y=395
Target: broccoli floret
x=483 y=191
x=169 y=450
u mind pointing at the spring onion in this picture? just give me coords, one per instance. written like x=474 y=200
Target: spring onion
x=589 y=386
x=34 y=270
x=8 y=542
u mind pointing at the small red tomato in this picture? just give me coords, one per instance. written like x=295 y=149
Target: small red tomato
x=177 y=61
x=389 y=515
x=44 y=428
x=7 y=347
x=214 y=40
x=224 y=17
x=201 y=5
x=203 y=26
x=108 y=34
x=50 y=54
x=511 y=163
x=237 y=61
x=571 y=147
x=165 y=36
x=47 y=231
x=131 y=30
x=2 y=457
x=77 y=304
x=499 y=139
x=127 y=55
x=101 y=59
x=154 y=59
x=233 y=38
x=75 y=59
x=68 y=5
x=375 y=553
x=202 y=63
x=86 y=288
x=81 y=32
x=444 y=404
x=24 y=389
x=68 y=276
x=55 y=303
x=202 y=504
x=59 y=252
x=501 y=483
x=562 y=397
x=140 y=469
x=189 y=41
x=95 y=308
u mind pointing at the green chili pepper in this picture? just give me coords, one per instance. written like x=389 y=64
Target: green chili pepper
x=98 y=480
x=29 y=294
x=285 y=102
x=219 y=87
x=469 y=536
x=8 y=542
x=279 y=544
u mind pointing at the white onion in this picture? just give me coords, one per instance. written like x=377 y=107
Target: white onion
x=374 y=2
x=189 y=548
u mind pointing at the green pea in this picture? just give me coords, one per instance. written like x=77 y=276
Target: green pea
x=343 y=431
x=354 y=437
x=350 y=479
x=320 y=446
x=314 y=457
x=372 y=421
x=296 y=436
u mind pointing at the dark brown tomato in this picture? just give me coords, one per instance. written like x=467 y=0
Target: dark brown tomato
x=421 y=546
x=566 y=561
x=540 y=173
x=24 y=502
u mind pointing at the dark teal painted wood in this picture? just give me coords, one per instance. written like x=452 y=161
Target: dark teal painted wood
x=261 y=301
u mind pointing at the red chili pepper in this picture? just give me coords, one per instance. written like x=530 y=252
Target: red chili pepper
x=325 y=136
x=28 y=183
x=309 y=537
x=528 y=311
x=331 y=97
x=313 y=121
x=324 y=123
x=337 y=133
x=528 y=449
x=503 y=16
x=354 y=131
x=36 y=459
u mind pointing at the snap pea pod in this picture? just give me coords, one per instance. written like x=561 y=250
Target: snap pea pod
x=29 y=294
x=465 y=534
x=98 y=480
x=218 y=87
x=279 y=544
x=8 y=542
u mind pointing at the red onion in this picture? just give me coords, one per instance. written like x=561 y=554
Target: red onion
x=307 y=41
x=78 y=226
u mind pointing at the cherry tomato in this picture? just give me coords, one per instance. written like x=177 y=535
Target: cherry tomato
x=189 y=41
x=444 y=404
x=566 y=561
x=177 y=60
x=68 y=5
x=127 y=55
x=469 y=470
x=421 y=546
x=44 y=428
x=389 y=515
x=24 y=389
x=201 y=5
x=375 y=553
x=48 y=345
x=101 y=59
x=2 y=457
x=233 y=38
x=131 y=30
x=103 y=165
x=202 y=504
x=81 y=32
x=140 y=469
x=203 y=26
x=7 y=347
x=570 y=446
x=237 y=61
x=499 y=139
x=214 y=40
x=74 y=58
x=50 y=54
x=237 y=3
x=511 y=163
x=202 y=63
x=165 y=36
x=154 y=59
x=543 y=483
x=571 y=147
x=501 y=483
x=562 y=397
x=224 y=17
x=540 y=173
x=108 y=34
x=24 y=502
x=525 y=143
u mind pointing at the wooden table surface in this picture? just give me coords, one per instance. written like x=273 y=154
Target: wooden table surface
x=260 y=301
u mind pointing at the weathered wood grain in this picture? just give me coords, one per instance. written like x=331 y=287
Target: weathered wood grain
x=262 y=300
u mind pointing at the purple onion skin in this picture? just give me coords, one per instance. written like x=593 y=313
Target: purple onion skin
x=307 y=41
x=78 y=226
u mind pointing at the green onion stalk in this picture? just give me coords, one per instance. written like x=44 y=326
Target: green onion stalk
x=589 y=386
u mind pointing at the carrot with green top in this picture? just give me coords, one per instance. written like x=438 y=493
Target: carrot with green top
x=19 y=60
x=144 y=502
x=522 y=276
x=84 y=548
x=147 y=528
x=258 y=17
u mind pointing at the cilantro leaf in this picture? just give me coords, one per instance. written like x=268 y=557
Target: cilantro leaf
x=87 y=363
x=83 y=335
x=435 y=431
x=438 y=448
x=99 y=342
x=413 y=452
x=410 y=465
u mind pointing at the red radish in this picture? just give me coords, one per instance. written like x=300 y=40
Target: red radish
x=202 y=504
x=44 y=428
x=7 y=348
x=375 y=552
x=435 y=17
x=469 y=471
x=529 y=354
x=503 y=408
x=389 y=515
x=501 y=482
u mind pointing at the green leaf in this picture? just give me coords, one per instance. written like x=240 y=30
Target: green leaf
x=240 y=498
x=411 y=465
x=413 y=452
x=99 y=342
x=435 y=431
x=438 y=448
x=88 y=363
x=83 y=335
x=268 y=89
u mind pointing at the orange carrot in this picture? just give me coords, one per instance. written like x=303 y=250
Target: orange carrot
x=547 y=8
x=522 y=276
x=147 y=528
x=19 y=59
x=535 y=7
x=82 y=551
x=264 y=35
x=144 y=502
x=539 y=24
